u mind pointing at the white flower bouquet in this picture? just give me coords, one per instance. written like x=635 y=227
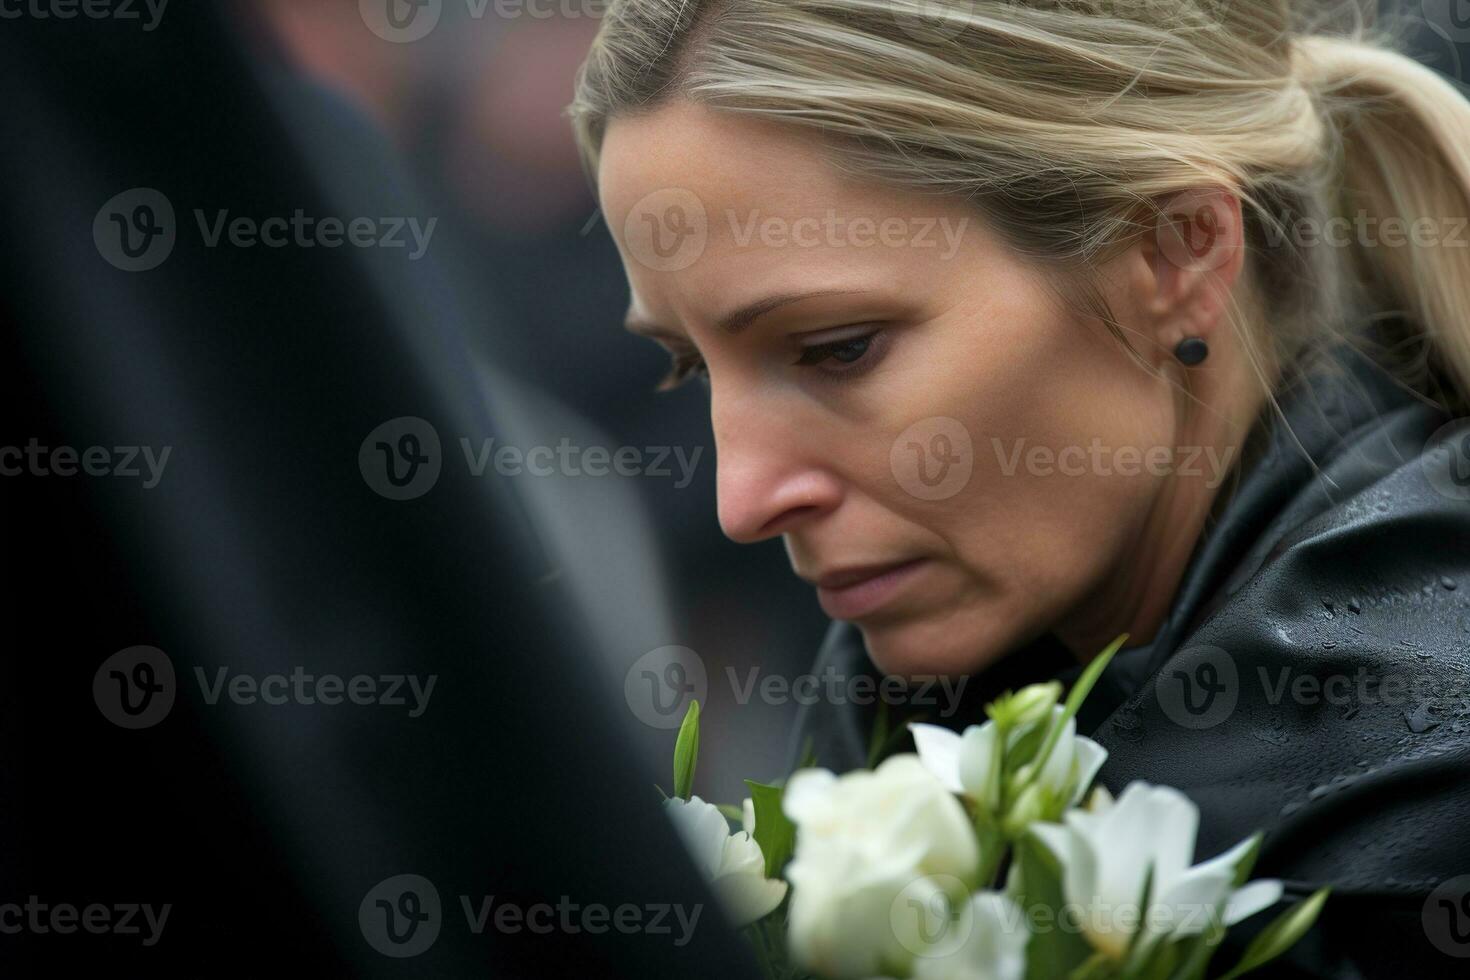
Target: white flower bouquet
x=982 y=857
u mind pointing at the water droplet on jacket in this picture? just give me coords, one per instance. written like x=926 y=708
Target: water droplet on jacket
x=1354 y=607
x=1419 y=720
x=1328 y=644
x=1447 y=582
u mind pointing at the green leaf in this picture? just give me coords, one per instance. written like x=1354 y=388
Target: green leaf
x=1076 y=696
x=1160 y=963
x=879 y=737
x=1197 y=951
x=1053 y=952
x=774 y=832
x=1247 y=861
x=686 y=752
x=731 y=812
x=1280 y=935
x=808 y=755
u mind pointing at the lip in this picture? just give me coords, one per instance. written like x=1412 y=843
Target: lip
x=850 y=593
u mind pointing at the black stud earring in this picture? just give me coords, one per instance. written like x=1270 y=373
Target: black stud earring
x=1191 y=351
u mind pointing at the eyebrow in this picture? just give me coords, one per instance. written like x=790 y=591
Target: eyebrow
x=738 y=319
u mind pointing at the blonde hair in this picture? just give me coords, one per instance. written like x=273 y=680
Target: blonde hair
x=1068 y=123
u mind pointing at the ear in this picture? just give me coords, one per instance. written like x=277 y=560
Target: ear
x=1193 y=255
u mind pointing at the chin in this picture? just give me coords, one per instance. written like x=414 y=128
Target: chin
x=937 y=645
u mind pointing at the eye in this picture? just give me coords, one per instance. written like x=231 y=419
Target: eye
x=847 y=356
x=685 y=365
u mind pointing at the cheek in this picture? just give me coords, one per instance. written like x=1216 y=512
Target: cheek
x=1012 y=449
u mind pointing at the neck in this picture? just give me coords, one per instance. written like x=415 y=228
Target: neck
x=1137 y=592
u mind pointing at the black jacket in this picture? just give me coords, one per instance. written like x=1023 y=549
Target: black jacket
x=1311 y=680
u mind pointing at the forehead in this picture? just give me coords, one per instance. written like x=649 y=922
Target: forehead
x=705 y=204
x=724 y=158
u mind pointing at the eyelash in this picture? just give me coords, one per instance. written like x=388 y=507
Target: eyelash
x=687 y=365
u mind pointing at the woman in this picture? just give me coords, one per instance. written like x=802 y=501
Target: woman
x=1027 y=324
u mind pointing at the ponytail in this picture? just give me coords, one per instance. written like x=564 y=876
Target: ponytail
x=1404 y=149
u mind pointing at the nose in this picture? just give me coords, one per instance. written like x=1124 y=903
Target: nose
x=771 y=475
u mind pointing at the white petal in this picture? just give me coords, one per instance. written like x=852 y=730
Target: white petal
x=939 y=750
x=994 y=949
x=977 y=758
x=1100 y=802
x=1161 y=823
x=1227 y=860
x=1059 y=764
x=1090 y=757
x=1251 y=898
x=1186 y=908
x=703 y=829
x=1075 y=854
x=807 y=793
x=1124 y=838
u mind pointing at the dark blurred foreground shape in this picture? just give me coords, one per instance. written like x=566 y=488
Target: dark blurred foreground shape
x=264 y=548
